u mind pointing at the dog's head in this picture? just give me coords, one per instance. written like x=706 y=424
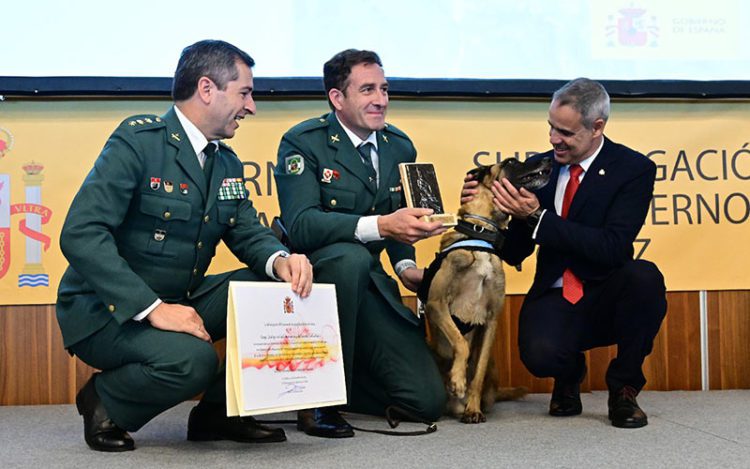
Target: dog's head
x=531 y=175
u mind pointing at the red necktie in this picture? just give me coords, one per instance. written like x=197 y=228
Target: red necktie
x=572 y=286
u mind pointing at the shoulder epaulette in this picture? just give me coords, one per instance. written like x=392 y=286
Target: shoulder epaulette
x=143 y=122
x=392 y=129
x=309 y=124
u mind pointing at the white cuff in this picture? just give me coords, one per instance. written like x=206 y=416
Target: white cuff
x=142 y=315
x=403 y=265
x=269 y=264
x=367 y=229
x=536 y=228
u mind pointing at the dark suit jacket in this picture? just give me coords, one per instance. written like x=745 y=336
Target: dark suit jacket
x=322 y=203
x=130 y=242
x=605 y=216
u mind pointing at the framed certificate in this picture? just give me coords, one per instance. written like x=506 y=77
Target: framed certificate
x=283 y=351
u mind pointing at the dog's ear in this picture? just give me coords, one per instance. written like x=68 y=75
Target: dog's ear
x=479 y=173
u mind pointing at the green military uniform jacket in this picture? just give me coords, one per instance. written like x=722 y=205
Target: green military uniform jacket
x=145 y=225
x=324 y=189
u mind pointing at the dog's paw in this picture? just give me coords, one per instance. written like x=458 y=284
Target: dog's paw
x=473 y=417
x=457 y=388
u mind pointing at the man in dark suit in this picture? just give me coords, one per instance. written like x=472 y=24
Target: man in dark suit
x=340 y=198
x=588 y=291
x=140 y=234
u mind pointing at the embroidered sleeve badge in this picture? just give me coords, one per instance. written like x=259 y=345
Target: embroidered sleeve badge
x=294 y=164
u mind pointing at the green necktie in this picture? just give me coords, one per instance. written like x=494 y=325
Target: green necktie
x=366 y=153
x=208 y=165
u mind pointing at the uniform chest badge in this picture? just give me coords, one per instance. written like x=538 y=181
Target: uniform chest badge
x=329 y=175
x=168 y=186
x=183 y=188
x=155 y=183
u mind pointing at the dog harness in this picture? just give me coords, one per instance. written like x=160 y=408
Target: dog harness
x=429 y=273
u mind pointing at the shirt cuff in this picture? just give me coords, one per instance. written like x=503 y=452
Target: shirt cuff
x=142 y=315
x=536 y=228
x=367 y=229
x=403 y=265
x=269 y=264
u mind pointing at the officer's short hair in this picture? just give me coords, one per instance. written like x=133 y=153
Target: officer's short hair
x=586 y=96
x=210 y=58
x=337 y=70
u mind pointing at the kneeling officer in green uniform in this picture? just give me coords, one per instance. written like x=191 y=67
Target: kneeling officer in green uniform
x=140 y=234
x=340 y=199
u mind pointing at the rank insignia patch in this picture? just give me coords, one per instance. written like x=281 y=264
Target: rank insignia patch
x=294 y=164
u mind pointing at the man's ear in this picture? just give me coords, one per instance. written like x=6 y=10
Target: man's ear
x=598 y=127
x=205 y=89
x=337 y=97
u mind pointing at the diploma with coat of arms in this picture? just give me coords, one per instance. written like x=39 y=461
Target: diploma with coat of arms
x=283 y=351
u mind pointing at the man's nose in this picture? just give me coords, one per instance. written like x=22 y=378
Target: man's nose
x=250 y=105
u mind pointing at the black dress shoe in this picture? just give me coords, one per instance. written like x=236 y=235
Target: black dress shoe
x=566 y=399
x=324 y=422
x=623 y=409
x=100 y=433
x=208 y=422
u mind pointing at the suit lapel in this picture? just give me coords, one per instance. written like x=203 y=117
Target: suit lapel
x=218 y=174
x=386 y=164
x=346 y=155
x=594 y=178
x=186 y=157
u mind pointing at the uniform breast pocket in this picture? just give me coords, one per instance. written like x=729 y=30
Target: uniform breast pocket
x=167 y=215
x=397 y=201
x=338 y=199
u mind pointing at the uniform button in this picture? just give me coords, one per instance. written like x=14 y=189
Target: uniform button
x=206 y=219
x=188 y=294
x=200 y=244
x=333 y=202
x=372 y=209
x=111 y=308
x=232 y=221
x=195 y=271
x=167 y=215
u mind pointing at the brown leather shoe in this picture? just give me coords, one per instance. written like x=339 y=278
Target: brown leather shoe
x=209 y=422
x=100 y=433
x=324 y=422
x=624 y=411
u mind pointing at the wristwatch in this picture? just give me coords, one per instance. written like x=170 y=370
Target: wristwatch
x=534 y=217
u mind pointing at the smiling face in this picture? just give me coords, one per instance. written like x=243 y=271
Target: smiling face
x=571 y=140
x=362 y=104
x=227 y=107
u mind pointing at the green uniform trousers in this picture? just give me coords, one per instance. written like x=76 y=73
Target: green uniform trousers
x=386 y=359
x=146 y=371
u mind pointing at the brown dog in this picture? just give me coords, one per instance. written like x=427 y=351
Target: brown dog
x=467 y=292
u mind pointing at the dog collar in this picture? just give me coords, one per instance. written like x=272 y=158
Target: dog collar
x=494 y=237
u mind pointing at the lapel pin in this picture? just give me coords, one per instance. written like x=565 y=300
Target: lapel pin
x=183 y=188
x=327 y=175
x=155 y=183
x=176 y=136
x=335 y=138
x=385 y=138
x=602 y=172
x=168 y=186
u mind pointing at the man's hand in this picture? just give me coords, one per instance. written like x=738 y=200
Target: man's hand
x=412 y=278
x=469 y=190
x=297 y=270
x=405 y=225
x=178 y=318
x=519 y=204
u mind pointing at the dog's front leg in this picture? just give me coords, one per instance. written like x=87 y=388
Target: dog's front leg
x=438 y=313
x=473 y=411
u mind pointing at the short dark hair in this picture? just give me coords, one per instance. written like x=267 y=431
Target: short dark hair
x=337 y=70
x=216 y=60
x=586 y=96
